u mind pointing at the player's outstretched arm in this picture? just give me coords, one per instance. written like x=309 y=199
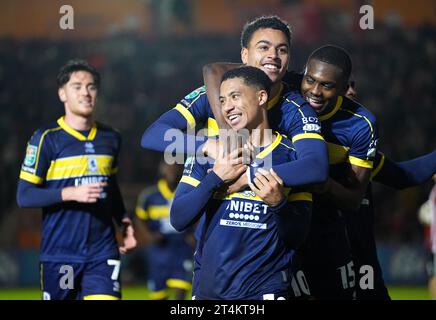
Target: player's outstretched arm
x=311 y=166
x=171 y=124
x=405 y=174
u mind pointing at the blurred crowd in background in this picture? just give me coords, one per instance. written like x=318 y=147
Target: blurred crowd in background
x=145 y=75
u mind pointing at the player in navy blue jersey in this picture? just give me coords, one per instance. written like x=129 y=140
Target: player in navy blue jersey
x=322 y=85
x=395 y=174
x=69 y=170
x=247 y=239
x=265 y=44
x=350 y=132
x=170 y=253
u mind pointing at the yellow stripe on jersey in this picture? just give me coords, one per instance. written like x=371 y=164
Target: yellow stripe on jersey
x=212 y=128
x=300 y=196
x=360 y=163
x=76 y=133
x=190 y=180
x=379 y=166
x=363 y=117
x=307 y=136
x=30 y=177
x=238 y=195
x=337 y=153
x=79 y=166
x=141 y=213
x=100 y=297
x=297 y=106
x=164 y=189
x=40 y=144
x=332 y=113
x=187 y=114
x=158 y=212
x=270 y=148
x=178 y=284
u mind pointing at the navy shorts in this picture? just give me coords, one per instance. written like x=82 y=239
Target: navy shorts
x=360 y=226
x=74 y=281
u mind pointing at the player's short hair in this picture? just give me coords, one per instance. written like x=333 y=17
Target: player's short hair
x=336 y=56
x=264 y=22
x=75 y=65
x=252 y=76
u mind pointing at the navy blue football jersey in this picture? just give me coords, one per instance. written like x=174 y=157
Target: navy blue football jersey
x=350 y=131
x=240 y=254
x=58 y=156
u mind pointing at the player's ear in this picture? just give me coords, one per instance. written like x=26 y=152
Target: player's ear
x=244 y=55
x=263 y=97
x=62 y=95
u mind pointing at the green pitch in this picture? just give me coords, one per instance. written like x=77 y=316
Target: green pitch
x=140 y=293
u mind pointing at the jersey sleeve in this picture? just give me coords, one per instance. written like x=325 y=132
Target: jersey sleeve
x=195 y=108
x=194 y=172
x=404 y=174
x=168 y=133
x=37 y=159
x=301 y=124
x=301 y=121
x=363 y=144
x=195 y=189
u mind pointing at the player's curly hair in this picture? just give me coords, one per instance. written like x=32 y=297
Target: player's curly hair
x=75 y=65
x=264 y=22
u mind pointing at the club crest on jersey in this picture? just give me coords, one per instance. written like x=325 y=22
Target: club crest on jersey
x=30 y=158
x=196 y=92
x=188 y=166
x=92 y=164
x=248 y=193
x=89 y=147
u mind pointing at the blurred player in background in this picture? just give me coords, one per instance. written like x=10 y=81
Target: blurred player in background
x=169 y=253
x=69 y=171
x=247 y=238
x=427 y=216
